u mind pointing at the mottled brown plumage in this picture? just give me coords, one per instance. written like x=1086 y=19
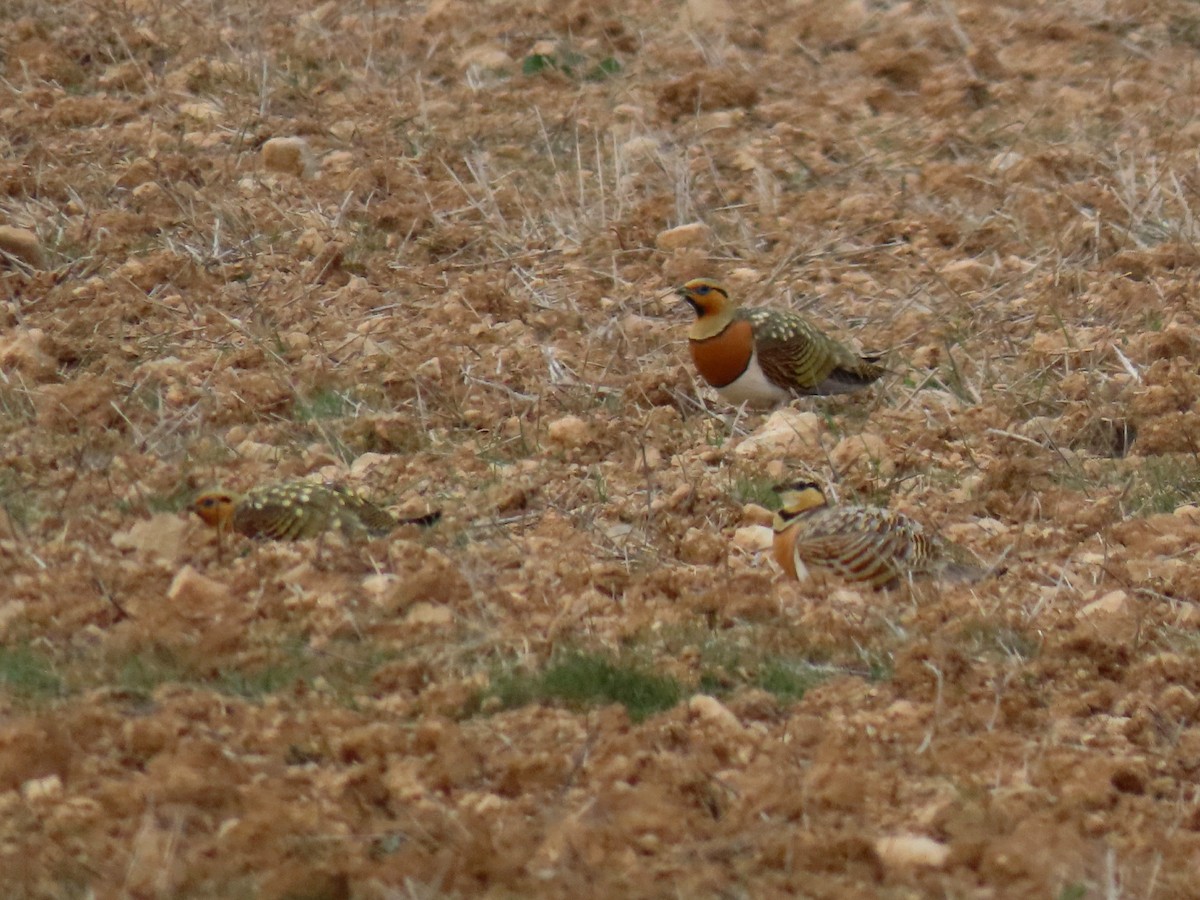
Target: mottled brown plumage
x=766 y=356
x=864 y=545
x=298 y=510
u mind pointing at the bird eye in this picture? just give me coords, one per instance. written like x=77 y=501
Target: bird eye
x=702 y=290
x=207 y=501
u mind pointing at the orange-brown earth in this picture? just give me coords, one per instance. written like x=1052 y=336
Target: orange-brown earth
x=454 y=293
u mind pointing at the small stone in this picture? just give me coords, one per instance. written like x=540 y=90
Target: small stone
x=909 y=851
x=22 y=244
x=425 y=613
x=753 y=514
x=753 y=538
x=162 y=536
x=488 y=57
x=695 y=234
x=1111 y=604
x=190 y=589
x=290 y=155
x=48 y=788
x=866 y=452
x=1189 y=513
x=706 y=13
x=711 y=711
x=23 y=352
x=787 y=432
x=569 y=432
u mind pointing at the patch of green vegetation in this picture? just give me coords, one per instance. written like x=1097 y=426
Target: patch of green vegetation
x=1074 y=891
x=325 y=403
x=571 y=64
x=342 y=671
x=29 y=674
x=1162 y=483
x=176 y=501
x=15 y=405
x=1158 y=484
x=579 y=679
x=755 y=489
x=994 y=638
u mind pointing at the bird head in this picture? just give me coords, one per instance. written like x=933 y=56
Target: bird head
x=215 y=508
x=797 y=497
x=705 y=296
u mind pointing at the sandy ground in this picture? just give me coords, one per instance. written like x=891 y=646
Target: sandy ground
x=426 y=250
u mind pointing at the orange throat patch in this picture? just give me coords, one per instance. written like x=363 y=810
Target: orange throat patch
x=723 y=358
x=783 y=550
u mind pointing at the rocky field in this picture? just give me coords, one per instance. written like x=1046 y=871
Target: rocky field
x=427 y=250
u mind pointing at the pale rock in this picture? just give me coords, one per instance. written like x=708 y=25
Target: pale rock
x=488 y=57
x=1189 y=513
x=753 y=514
x=425 y=613
x=866 y=452
x=12 y=611
x=711 y=711
x=339 y=161
x=544 y=47
x=834 y=22
x=344 y=130
x=258 y=451
x=1111 y=604
x=323 y=17
x=847 y=597
x=695 y=234
x=206 y=111
x=23 y=351
x=787 y=432
x=569 y=432
x=965 y=274
x=191 y=589
x=706 y=13
x=753 y=538
x=37 y=789
x=910 y=851
x=742 y=277
x=298 y=340
x=641 y=146
x=22 y=244
x=639 y=326
x=290 y=155
x=162 y=536
x=1004 y=161
x=366 y=462
x=379 y=585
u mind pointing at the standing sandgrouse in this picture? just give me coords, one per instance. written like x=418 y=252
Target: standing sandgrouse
x=861 y=544
x=297 y=510
x=767 y=356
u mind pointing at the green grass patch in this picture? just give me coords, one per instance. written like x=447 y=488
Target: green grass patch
x=748 y=488
x=36 y=677
x=578 y=679
x=29 y=675
x=573 y=65
x=325 y=404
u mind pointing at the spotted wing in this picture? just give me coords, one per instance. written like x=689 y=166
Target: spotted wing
x=796 y=354
x=354 y=514
x=285 y=512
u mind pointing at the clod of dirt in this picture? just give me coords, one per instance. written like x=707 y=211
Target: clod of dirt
x=694 y=234
x=787 y=432
x=21 y=244
x=289 y=155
